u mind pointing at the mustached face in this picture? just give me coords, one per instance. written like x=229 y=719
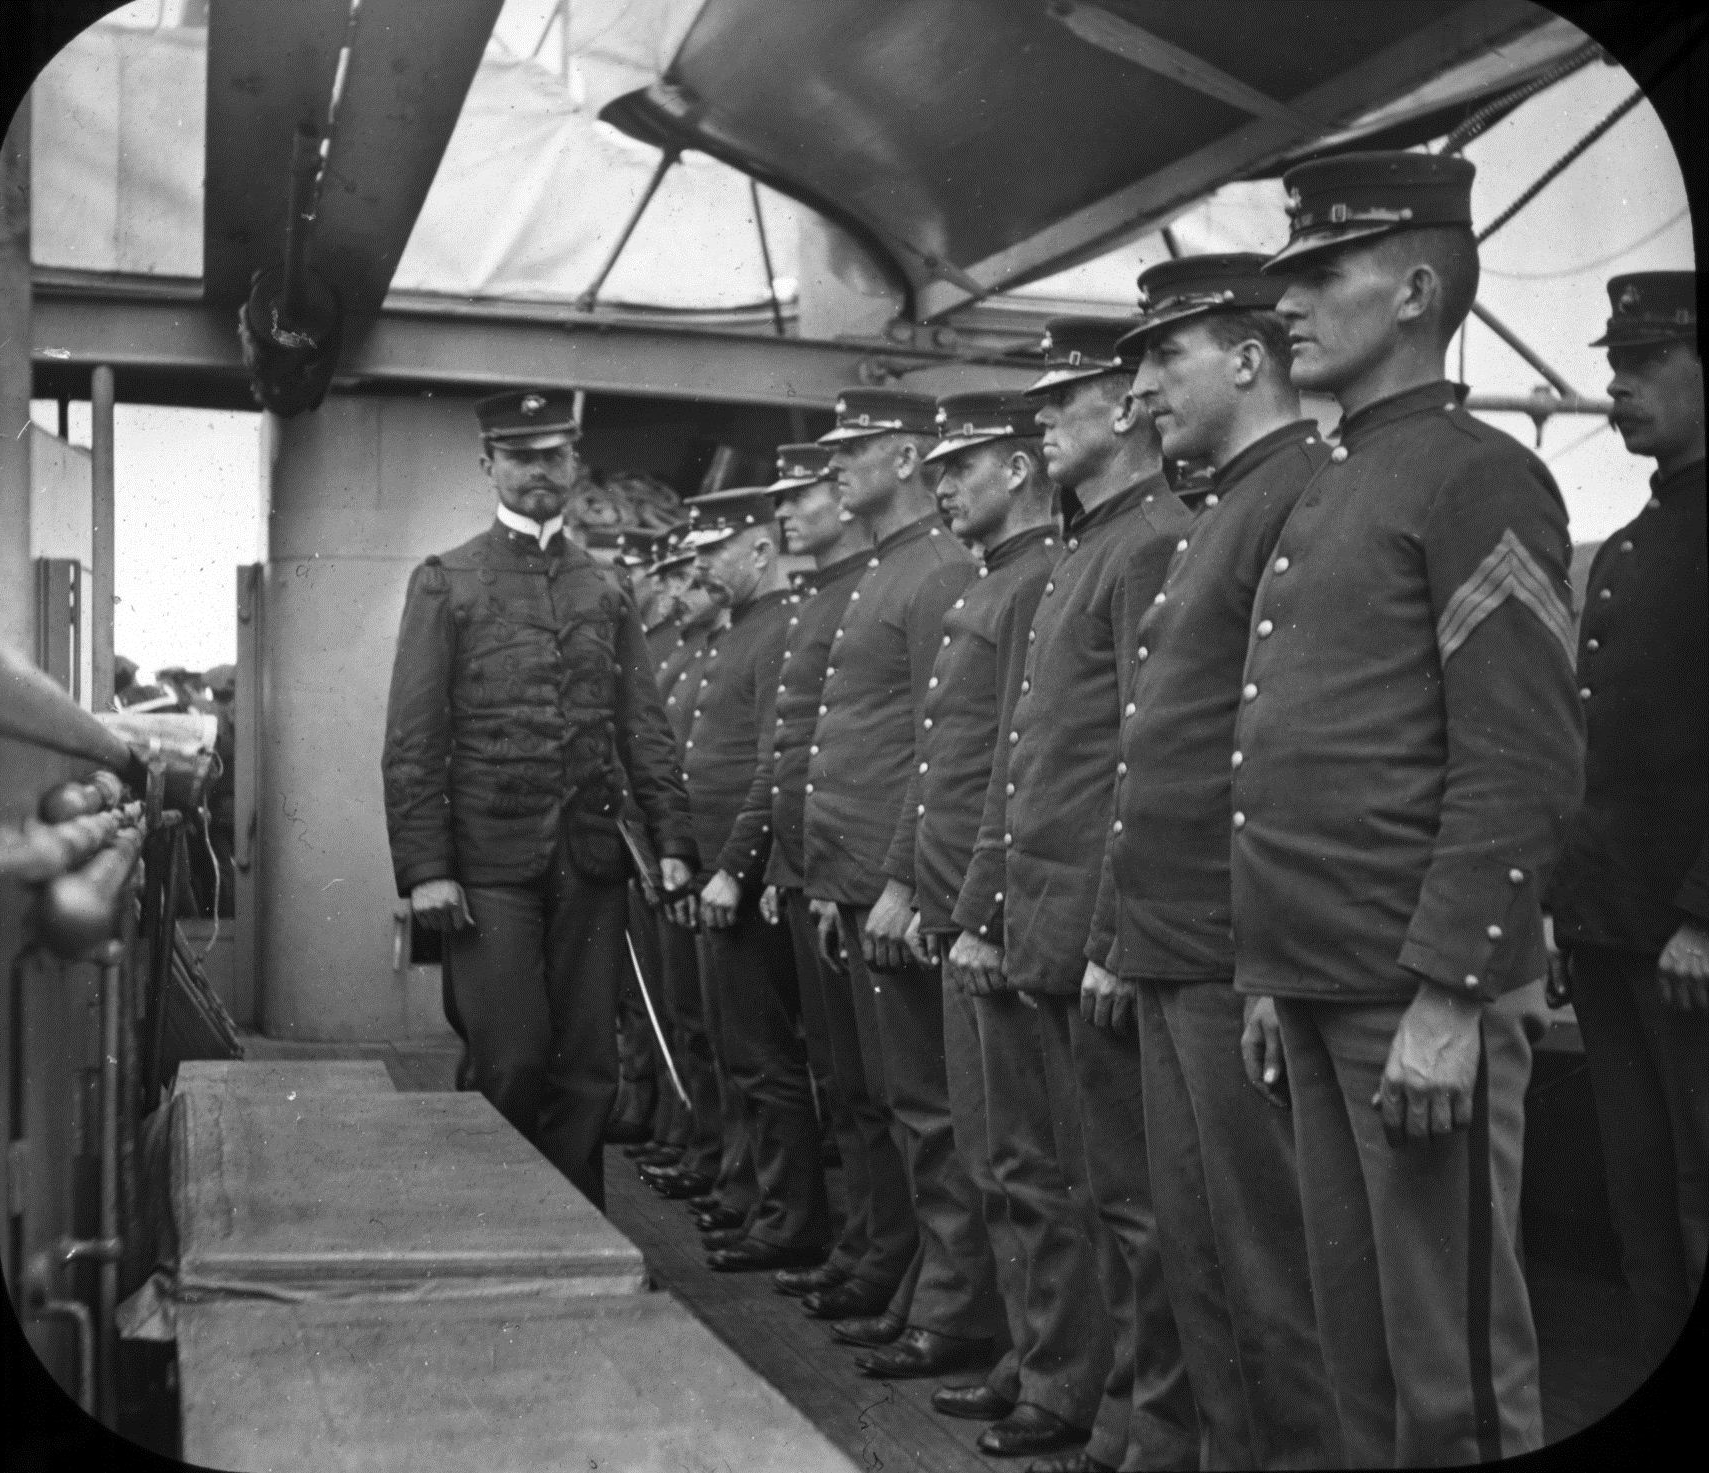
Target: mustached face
x=533 y=483
x=1657 y=391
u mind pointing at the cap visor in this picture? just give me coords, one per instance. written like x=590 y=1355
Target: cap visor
x=786 y=484
x=1316 y=244
x=705 y=537
x=675 y=560
x=1056 y=376
x=955 y=444
x=1129 y=342
x=855 y=432
x=1645 y=337
x=536 y=437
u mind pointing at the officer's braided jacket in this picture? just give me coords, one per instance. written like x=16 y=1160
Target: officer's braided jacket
x=522 y=695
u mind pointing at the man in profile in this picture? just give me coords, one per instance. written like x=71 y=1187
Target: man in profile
x=523 y=714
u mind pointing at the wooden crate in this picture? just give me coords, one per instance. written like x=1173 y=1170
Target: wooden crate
x=376 y=1192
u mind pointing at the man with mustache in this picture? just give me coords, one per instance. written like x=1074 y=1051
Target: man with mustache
x=522 y=716
x=1405 y=759
x=862 y=779
x=1631 y=896
x=1212 y=373
x=1053 y=780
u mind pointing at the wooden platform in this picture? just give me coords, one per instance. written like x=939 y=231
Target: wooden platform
x=284 y=1079
x=628 y=1382
x=374 y=1192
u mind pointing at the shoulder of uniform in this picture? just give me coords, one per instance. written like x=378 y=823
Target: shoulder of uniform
x=463 y=557
x=1165 y=511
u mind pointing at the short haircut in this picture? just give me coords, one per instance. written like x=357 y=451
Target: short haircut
x=1031 y=446
x=1231 y=329
x=1451 y=251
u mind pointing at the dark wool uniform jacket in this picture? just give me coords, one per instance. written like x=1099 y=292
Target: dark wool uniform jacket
x=734 y=693
x=861 y=797
x=1058 y=757
x=777 y=799
x=1163 y=904
x=522 y=699
x=1636 y=864
x=679 y=678
x=1409 y=739
x=985 y=634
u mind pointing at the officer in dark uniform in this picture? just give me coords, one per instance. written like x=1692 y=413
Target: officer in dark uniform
x=862 y=796
x=1631 y=896
x=1056 y=765
x=522 y=715
x=1406 y=756
x=995 y=495
x=877 y=1239
x=1213 y=363
x=751 y=965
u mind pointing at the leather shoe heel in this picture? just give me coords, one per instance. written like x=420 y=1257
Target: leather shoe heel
x=869 y=1330
x=1029 y=1429
x=852 y=1300
x=978 y=1403
x=923 y=1353
x=796 y=1282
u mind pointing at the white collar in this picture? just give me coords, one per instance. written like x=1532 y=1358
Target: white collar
x=542 y=533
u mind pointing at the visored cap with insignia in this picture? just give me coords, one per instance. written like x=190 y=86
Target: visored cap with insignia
x=720 y=515
x=1359 y=196
x=862 y=413
x=1650 y=307
x=965 y=420
x=1079 y=347
x=1191 y=286
x=800 y=465
x=670 y=549
x=530 y=419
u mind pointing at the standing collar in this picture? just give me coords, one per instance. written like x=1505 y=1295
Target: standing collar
x=1441 y=394
x=915 y=530
x=821 y=576
x=542 y=533
x=1261 y=449
x=1077 y=520
x=1011 y=548
x=753 y=605
x=1688 y=475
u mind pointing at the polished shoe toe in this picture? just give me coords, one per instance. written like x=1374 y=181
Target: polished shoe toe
x=922 y=1353
x=724 y=1237
x=719 y=1217
x=868 y=1330
x=1030 y=1429
x=797 y=1282
x=750 y=1255
x=853 y=1300
x=1078 y=1461
x=978 y=1403
x=676 y=1185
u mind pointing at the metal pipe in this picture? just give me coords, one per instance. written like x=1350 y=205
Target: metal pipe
x=1540 y=405
x=17 y=576
x=108 y=1302
x=305 y=169
x=101 y=587
x=1523 y=349
x=41 y=1302
x=666 y=159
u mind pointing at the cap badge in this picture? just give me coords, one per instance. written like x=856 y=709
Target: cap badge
x=1045 y=344
x=842 y=406
x=1630 y=302
x=1144 y=302
x=532 y=404
x=1294 y=202
x=942 y=417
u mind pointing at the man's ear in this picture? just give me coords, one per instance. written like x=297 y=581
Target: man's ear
x=487 y=464
x=1020 y=470
x=1248 y=362
x=1126 y=415
x=1421 y=291
x=908 y=461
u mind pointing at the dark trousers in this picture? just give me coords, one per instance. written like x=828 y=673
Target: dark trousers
x=669 y=1121
x=1233 y=1239
x=736 y=1184
x=1421 y=1306
x=535 y=984
x=1031 y=1125
x=679 y=960
x=1649 y=1074
x=1162 y=1427
x=753 y=974
x=956 y=1293
x=854 y=1242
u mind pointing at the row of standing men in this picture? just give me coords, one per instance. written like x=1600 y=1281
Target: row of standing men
x=1157 y=892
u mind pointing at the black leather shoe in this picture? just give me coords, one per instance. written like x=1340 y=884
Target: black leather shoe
x=1030 y=1429
x=653 y=1154
x=796 y=1282
x=751 y=1255
x=1078 y=1461
x=719 y=1217
x=869 y=1330
x=923 y=1353
x=676 y=1185
x=705 y=1202
x=978 y=1403
x=849 y=1301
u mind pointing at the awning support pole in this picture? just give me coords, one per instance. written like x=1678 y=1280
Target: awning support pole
x=765 y=257
x=1519 y=346
x=586 y=300
x=102 y=551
